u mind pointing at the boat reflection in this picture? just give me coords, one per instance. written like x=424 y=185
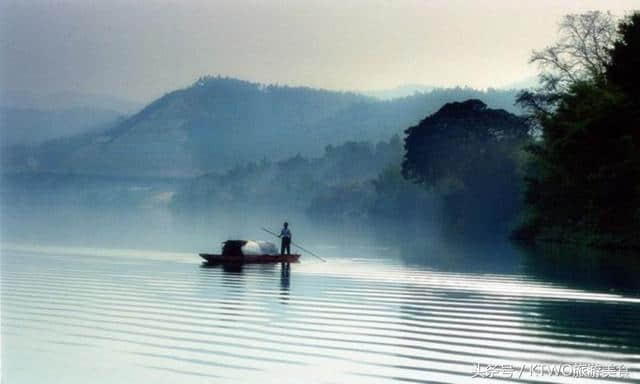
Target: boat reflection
x=235 y=268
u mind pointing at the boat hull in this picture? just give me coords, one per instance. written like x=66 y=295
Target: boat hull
x=249 y=259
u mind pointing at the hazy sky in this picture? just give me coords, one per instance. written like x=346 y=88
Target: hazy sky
x=142 y=49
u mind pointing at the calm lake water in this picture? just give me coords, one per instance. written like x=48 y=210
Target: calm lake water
x=378 y=315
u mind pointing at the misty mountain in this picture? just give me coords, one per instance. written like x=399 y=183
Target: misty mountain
x=28 y=126
x=218 y=123
x=399 y=91
x=67 y=100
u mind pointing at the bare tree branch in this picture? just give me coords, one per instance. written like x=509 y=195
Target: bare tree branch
x=580 y=54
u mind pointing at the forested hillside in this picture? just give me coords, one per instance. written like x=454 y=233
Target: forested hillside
x=218 y=123
x=465 y=159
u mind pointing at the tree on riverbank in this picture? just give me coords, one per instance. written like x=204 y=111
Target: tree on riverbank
x=584 y=180
x=468 y=154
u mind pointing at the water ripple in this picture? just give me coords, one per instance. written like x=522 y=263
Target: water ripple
x=163 y=318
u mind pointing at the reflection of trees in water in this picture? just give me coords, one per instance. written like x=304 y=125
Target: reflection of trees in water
x=583 y=268
x=451 y=255
x=596 y=327
x=600 y=327
x=612 y=324
x=577 y=268
x=606 y=326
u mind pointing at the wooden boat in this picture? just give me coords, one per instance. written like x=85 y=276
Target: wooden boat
x=248 y=252
x=248 y=259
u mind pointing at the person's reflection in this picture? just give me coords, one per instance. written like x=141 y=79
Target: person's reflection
x=285 y=281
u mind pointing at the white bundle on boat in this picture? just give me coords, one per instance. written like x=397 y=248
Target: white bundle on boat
x=253 y=247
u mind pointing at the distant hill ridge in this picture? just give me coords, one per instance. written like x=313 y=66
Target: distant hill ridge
x=219 y=122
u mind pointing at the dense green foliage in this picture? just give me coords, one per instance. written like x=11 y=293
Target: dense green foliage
x=622 y=71
x=584 y=180
x=468 y=154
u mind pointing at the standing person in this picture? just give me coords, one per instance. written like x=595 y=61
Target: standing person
x=285 y=235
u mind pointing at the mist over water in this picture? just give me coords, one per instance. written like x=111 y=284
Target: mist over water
x=120 y=295
x=156 y=227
